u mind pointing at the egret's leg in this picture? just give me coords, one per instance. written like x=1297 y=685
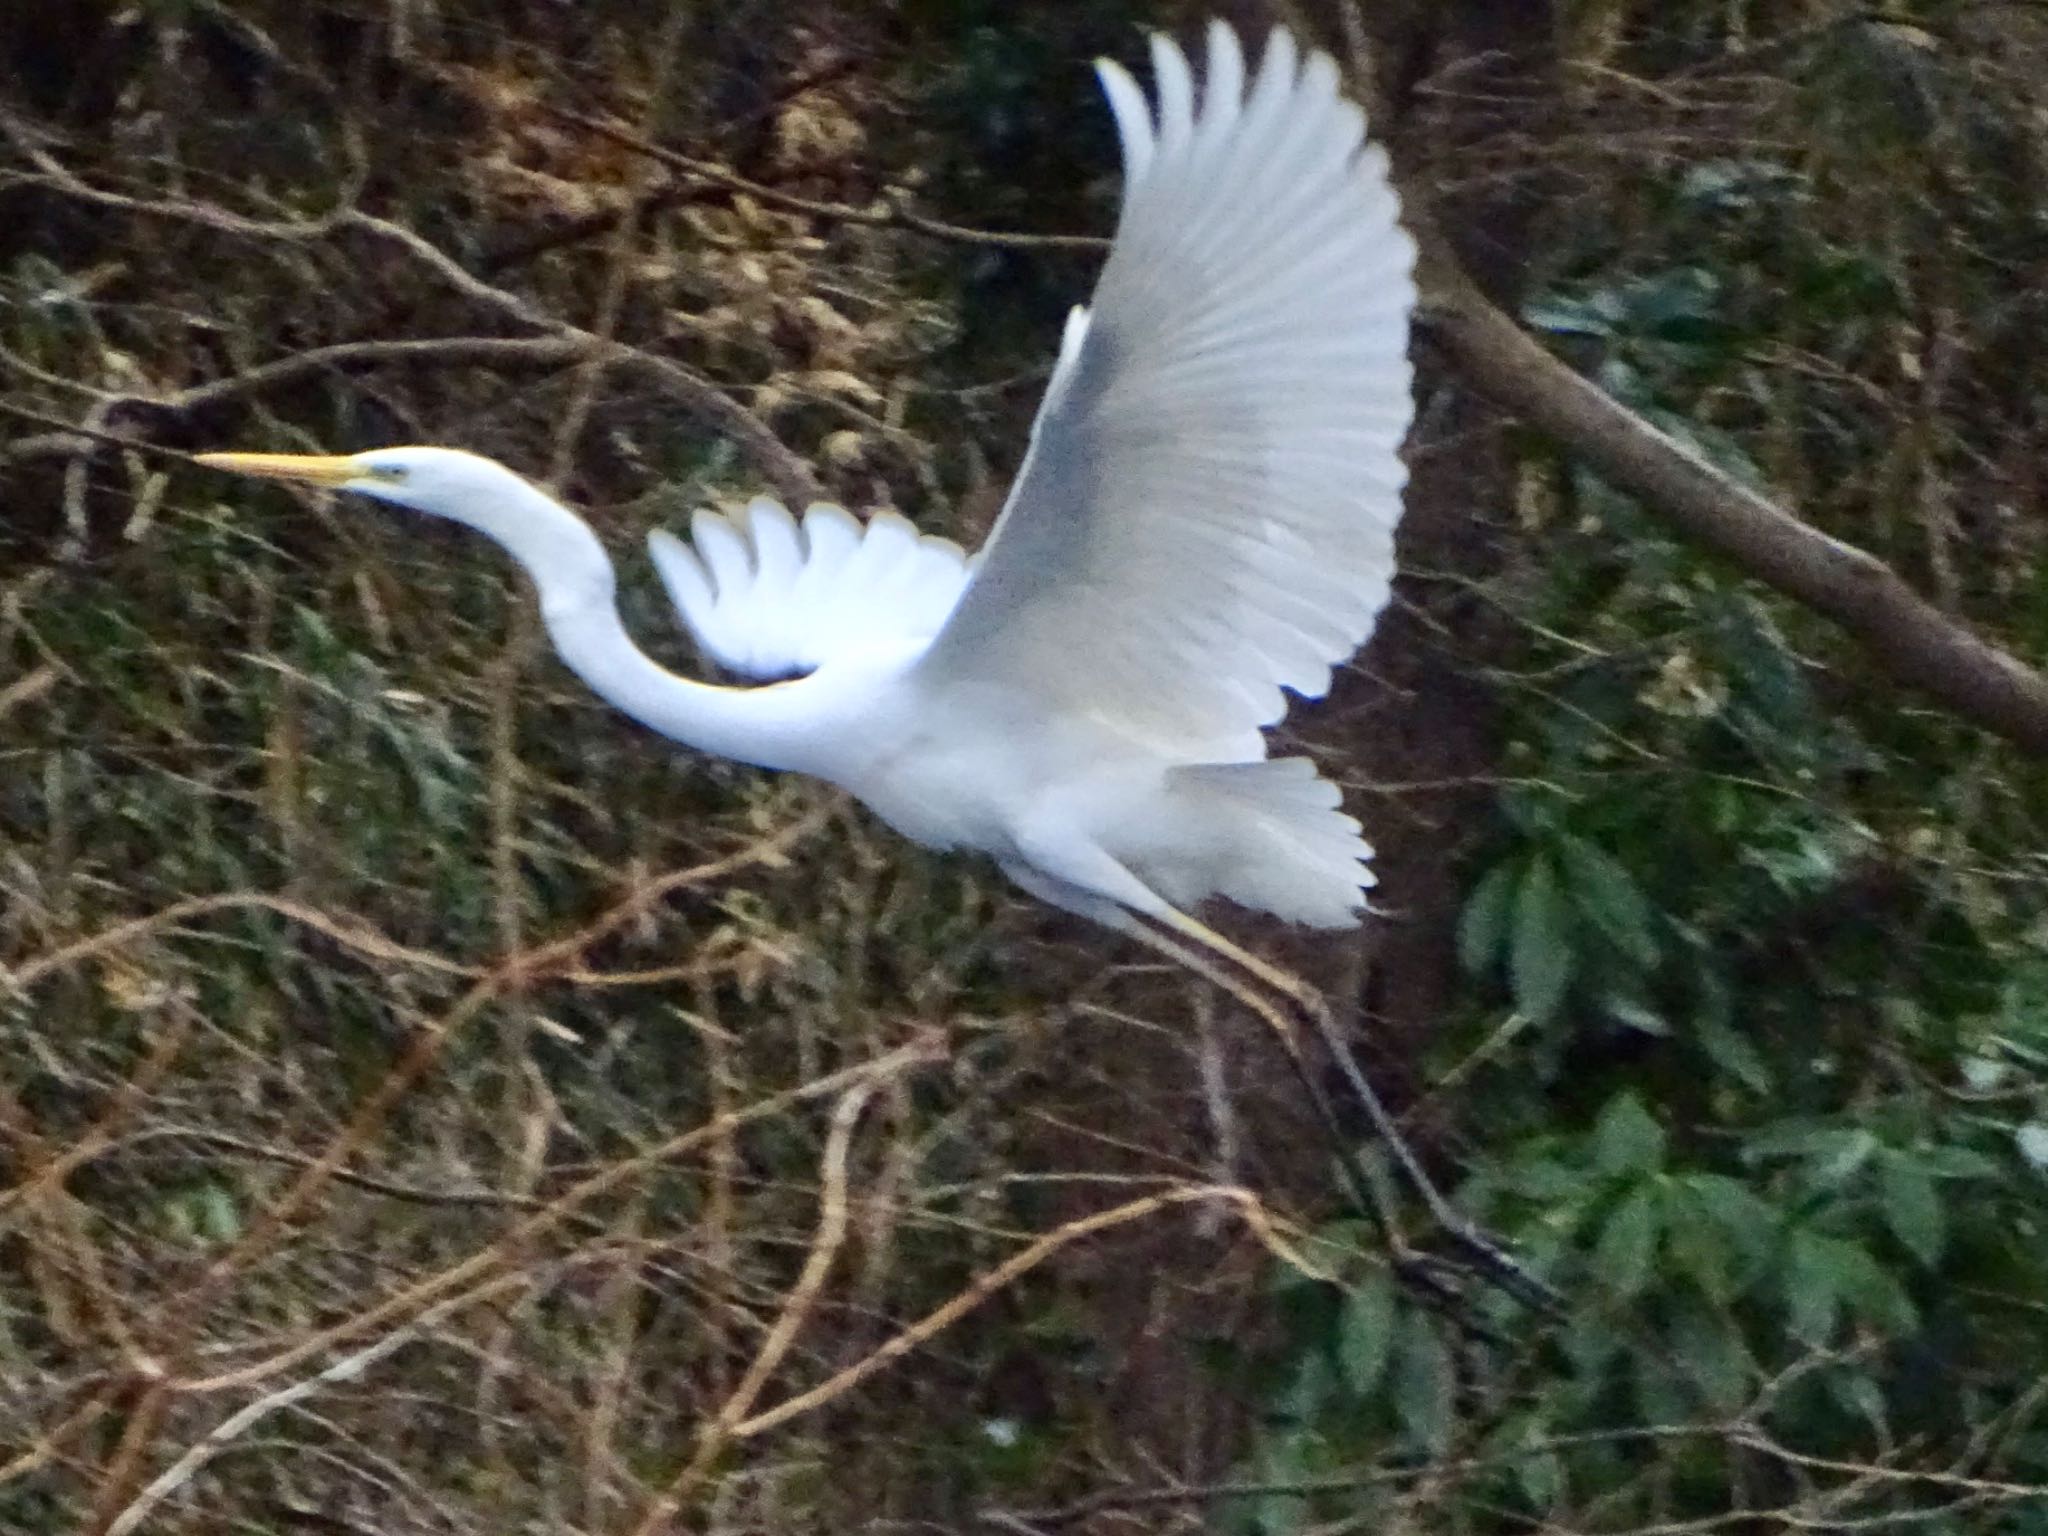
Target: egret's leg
x=1493 y=1260
x=1198 y=948
x=1109 y=914
x=1413 y=1267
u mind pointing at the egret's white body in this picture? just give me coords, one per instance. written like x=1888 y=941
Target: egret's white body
x=1205 y=517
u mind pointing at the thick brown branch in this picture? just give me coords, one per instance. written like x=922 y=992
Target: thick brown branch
x=1911 y=641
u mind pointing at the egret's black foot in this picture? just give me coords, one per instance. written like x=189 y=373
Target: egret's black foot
x=1491 y=1260
x=1488 y=1258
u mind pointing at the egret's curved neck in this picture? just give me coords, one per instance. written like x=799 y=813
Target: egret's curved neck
x=776 y=726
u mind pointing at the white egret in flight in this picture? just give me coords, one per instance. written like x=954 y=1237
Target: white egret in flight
x=1205 y=517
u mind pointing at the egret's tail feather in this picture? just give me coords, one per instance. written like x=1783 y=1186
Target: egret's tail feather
x=1280 y=842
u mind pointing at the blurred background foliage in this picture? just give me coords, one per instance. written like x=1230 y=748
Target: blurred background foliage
x=1737 y=960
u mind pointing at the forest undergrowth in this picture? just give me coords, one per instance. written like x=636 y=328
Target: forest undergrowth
x=429 y=1103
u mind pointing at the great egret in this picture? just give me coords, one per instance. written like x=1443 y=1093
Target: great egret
x=1204 y=518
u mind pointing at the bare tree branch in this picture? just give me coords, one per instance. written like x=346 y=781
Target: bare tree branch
x=1910 y=640
x=895 y=211
x=784 y=469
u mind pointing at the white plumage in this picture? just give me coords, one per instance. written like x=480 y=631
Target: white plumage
x=1204 y=519
x=1214 y=478
x=769 y=597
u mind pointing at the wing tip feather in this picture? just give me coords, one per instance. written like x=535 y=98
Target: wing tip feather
x=1133 y=115
x=1275 y=161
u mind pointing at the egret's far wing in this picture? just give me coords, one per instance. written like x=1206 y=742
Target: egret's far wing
x=768 y=595
x=1207 y=508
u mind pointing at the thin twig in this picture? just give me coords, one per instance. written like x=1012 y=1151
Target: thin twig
x=923 y=1051
x=895 y=212
x=237 y=1424
x=1007 y=1273
x=791 y=477
x=789 y=1321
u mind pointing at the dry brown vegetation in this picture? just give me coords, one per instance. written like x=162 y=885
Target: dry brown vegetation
x=428 y=1103
x=523 y=1126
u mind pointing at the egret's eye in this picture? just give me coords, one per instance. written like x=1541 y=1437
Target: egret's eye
x=390 y=473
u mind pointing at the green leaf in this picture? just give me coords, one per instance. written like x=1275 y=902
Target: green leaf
x=1483 y=925
x=1591 y=1343
x=1627 y=1249
x=1540 y=963
x=1521 y=1442
x=1710 y=1349
x=1722 y=184
x=1859 y=1395
x=1541 y=1474
x=1912 y=1209
x=1424 y=1385
x=1628 y=1138
x=1289 y=1457
x=219 y=1221
x=1672 y=294
x=1956 y=1163
x=1305 y=1397
x=1699 y=1250
x=1801 y=1137
x=1814 y=1279
x=1729 y=1050
x=1365 y=1332
x=1661 y=1390
x=1608 y=894
x=1715 y=1000
x=1746 y=1222
x=1542 y=1178
x=1330 y=1243
x=1636 y=1014
x=2032 y=1140
x=1874 y=1291
x=1842 y=1155
x=1568 y=317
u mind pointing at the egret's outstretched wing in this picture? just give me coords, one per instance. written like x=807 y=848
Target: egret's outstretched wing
x=1207 y=509
x=769 y=596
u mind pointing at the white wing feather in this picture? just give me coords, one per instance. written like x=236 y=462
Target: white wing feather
x=1206 y=512
x=768 y=597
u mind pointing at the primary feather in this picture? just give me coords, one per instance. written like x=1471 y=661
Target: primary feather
x=769 y=597
x=1214 y=478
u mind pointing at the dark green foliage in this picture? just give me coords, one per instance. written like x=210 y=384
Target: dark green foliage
x=1763 y=941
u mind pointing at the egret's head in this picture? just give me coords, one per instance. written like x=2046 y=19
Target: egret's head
x=566 y=559
x=444 y=481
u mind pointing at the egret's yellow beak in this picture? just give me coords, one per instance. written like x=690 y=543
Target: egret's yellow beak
x=305 y=468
